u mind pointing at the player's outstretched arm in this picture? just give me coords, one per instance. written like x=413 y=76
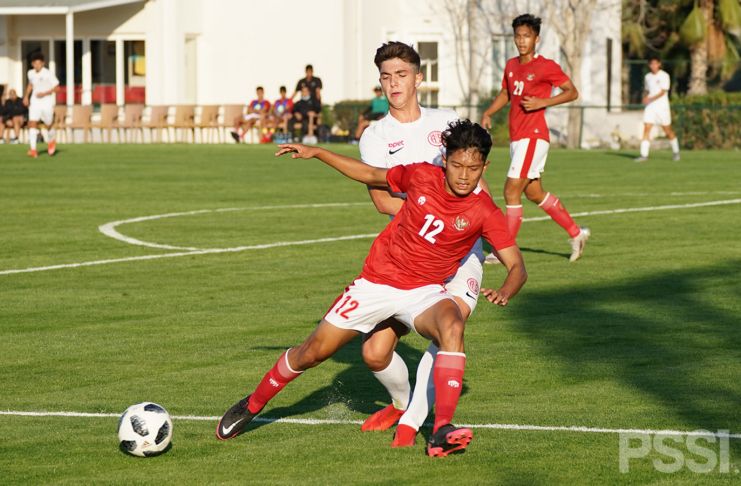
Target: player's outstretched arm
x=352 y=168
x=516 y=277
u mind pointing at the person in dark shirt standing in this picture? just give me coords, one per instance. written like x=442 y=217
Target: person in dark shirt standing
x=310 y=81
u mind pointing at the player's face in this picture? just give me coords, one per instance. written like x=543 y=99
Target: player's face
x=399 y=80
x=38 y=64
x=525 y=40
x=654 y=66
x=463 y=170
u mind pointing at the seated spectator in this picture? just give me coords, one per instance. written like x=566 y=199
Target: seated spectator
x=306 y=112
x=282 y=112
x=378 y=108
x=12 y=115
x=257 y=112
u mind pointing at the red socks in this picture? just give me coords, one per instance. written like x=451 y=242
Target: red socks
x=448 y=377
x=552 y=205
x=514 y=219
x=273 y=382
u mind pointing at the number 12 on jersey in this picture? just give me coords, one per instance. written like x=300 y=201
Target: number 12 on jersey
x=429 y=233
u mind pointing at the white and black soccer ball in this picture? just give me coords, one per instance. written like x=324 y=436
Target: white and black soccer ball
x=145 y=429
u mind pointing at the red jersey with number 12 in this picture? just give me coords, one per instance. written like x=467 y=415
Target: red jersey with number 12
x=433 y=231
x=536 y=78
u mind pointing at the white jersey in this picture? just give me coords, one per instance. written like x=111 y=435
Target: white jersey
x=42 y=81
x=388 y=142
x=653 y=84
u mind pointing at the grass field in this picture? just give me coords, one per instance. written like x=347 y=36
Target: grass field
x=643 y=333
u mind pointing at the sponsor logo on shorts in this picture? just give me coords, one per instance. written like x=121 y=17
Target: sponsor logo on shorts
x=435 y=138
x=473 y=285
x=421 y=200
x=460 y=223
x=454 y=384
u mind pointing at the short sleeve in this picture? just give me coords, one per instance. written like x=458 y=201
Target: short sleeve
x=664 y=81
x=319 y=83
x=555 y=74
x=399 y=177
x=495 y=230
x=372 y=149
x=299 y=84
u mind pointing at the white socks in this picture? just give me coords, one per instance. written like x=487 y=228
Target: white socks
x=424 y=391
x=33 y=134
x=395 y=377
x=675 y=145
x=645 y=144
x=51 y=134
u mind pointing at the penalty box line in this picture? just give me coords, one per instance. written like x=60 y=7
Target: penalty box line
x=340 y=238
x=310 y=421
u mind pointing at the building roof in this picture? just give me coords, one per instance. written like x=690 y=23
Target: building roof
x=57 y=7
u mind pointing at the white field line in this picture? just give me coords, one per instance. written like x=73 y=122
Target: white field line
x=339 y=238
x=299 y=421
x=109 y=229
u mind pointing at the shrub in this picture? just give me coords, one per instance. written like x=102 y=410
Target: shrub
x=708 y=121
x=346 y=113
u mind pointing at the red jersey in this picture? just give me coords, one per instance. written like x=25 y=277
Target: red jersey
x=536 y=78
x=433 y=231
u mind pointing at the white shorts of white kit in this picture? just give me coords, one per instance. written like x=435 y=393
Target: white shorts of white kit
x=466 y=282
x=528 y=157
x=43 y=113
x=657 y=115
x=364 y=304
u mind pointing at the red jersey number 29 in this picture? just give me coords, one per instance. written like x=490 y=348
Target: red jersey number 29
x=431 y=228
x=519 y=86
x=348 y=305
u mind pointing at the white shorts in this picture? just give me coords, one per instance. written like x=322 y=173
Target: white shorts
x=364 y=304
x=528 y=157
x=44 y=113
x=250 y=116
x=657 y=115
x=466 y=282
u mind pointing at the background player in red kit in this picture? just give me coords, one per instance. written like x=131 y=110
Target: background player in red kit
x=445 y=214
x=527 y=84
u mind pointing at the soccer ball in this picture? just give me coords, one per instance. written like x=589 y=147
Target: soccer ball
x=145 y=429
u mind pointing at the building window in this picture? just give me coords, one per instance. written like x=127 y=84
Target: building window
x=103 y=66
x=135 y=71
x=430 y=86
x=60 y=57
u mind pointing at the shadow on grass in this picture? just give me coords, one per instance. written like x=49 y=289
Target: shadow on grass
x=659 y=334
x=545 y=252
x=355 y=387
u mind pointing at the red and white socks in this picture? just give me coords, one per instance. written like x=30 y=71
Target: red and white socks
x=448 y=377
x=273 y=382
x=514 y=219
x=395 y=378
x=553 y=207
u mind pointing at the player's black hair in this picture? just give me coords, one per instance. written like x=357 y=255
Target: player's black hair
x=464 y=135
x=260 y=88
x=527 y=19
x=393 y=49
x=37 y=56
x=654 y=58
x=309 y=66
x=282 y=89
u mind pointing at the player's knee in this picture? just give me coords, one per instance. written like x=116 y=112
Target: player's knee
x=376 y=359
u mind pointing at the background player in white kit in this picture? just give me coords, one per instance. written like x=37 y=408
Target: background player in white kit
x=408 y=134
x=656 y=98
x=40 y=99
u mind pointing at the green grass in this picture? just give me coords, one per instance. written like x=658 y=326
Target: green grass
x=644 y=332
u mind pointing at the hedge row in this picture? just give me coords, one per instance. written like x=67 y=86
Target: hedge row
x=711 y=121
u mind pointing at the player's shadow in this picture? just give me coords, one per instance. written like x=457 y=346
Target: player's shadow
x=354 y=389
x=655 y=334
x=544 y=252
